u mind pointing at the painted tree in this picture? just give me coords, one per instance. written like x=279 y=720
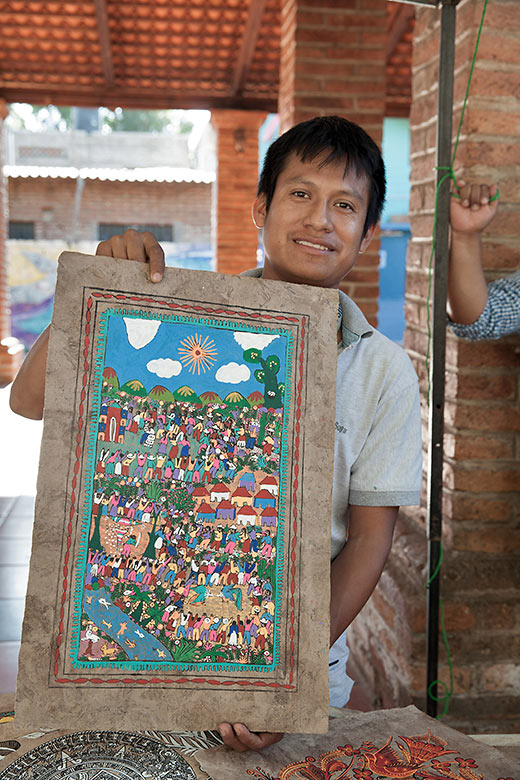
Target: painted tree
x=267 y=376
x=141 y=598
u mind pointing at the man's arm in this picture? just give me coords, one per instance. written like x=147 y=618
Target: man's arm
x=28 y=389
x=469 y=216
x=355 y=572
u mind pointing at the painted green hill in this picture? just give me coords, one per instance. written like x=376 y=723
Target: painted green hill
x=160 y=393
x=187 y=395
x=236 y=400
x=210 y=397
x=110 y=377
x=134 y=387
x=256 y=398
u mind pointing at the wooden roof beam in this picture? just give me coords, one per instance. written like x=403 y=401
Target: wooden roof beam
x=145 y=99
x=398 y=28
x=248 y=45
x=104 y=42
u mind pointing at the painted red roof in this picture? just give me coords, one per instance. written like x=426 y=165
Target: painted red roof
x=205 y=509
x=246 y=510
x=269 y=480
x=264 y=494
x=241 y=492
x=269 y=511
x=220 y=488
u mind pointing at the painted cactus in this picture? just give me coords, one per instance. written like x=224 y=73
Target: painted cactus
x=267 y=375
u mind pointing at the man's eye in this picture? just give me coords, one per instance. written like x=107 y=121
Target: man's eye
x=300 y=194
x=343 y=205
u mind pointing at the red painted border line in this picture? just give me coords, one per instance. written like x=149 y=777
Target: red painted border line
x=182 y=307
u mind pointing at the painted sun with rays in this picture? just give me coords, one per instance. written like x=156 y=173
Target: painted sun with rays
x=196 y=354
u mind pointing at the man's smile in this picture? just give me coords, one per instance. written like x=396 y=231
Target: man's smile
x=313 y=245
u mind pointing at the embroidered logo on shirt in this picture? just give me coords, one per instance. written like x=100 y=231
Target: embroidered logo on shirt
x=340 y=428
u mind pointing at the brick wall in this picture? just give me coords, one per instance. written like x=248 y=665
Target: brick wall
x=333 y=62
x=186 y=206
x=235 y=235
x=480 y=582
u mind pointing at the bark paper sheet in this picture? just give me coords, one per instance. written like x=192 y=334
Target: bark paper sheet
x=179 y=573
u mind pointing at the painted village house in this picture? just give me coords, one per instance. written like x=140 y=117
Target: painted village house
x=270 y=484
x=205 y=513
x=241 y=497
x=200 y=494
x=220 y=492
x=264 y=498
x=247 y=481
x=225 y=511
x=269 y=516
x=246 y=515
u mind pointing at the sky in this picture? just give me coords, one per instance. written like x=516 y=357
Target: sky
x=165 y=353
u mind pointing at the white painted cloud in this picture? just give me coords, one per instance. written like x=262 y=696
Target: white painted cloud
x=164 y=367
x=140 y=332
x=258 y=340
x=233 y=373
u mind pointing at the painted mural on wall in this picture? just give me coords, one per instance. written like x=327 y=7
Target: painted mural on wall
x=32 y=267
x=180 y=546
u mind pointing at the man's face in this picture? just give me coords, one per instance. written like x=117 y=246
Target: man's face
x=313 y=231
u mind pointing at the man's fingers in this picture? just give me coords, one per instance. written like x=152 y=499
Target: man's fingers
x=104 y=249
x=155 y=256
x=239 y=738
x=119 y=245
x=230 y=738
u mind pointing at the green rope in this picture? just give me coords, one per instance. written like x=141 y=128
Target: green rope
x=447 y=689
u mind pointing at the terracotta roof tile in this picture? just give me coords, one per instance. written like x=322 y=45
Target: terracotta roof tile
x=158 y=53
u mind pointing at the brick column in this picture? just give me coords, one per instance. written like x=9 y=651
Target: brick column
x=11 y=350
x=333 y=62
x=237 y=177
x=480 y=581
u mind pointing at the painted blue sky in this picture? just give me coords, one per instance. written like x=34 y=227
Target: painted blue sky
x=134 y=351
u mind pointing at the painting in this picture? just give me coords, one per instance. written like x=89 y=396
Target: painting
x=396 y=744
x=186 y=456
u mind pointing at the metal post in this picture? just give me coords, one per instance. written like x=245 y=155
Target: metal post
x=438 y=351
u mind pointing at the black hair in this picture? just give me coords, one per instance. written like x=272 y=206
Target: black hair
x=343 y=140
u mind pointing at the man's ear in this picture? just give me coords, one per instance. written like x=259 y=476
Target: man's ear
x=367 y=238
x=259 y=211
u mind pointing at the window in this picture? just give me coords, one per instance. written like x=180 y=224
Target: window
x=161 y=232
x=21 y=230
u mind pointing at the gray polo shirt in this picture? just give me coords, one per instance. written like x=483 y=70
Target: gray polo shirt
x=377 y=447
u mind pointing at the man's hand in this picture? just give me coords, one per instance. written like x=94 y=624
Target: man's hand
x=134 y=245
x=238 y=737
x=473 y=210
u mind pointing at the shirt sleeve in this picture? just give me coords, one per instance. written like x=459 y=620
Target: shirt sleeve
x=501 y=316
x=388 y=471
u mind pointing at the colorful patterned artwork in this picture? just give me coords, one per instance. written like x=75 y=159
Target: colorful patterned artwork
x=182 y=535
x=395 y=744
x=186 y=456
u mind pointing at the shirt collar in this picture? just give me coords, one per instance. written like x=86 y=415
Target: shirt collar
x=354 y=325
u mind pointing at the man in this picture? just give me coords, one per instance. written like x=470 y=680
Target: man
x=319 y=199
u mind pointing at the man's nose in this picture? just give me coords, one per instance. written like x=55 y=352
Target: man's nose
x=318 y=215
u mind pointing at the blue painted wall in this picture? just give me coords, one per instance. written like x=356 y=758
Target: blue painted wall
x=395 y=228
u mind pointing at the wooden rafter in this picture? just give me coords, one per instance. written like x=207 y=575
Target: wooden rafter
x=248 y=45
x=104 y=42
x=399 y=26
x=149 y=100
